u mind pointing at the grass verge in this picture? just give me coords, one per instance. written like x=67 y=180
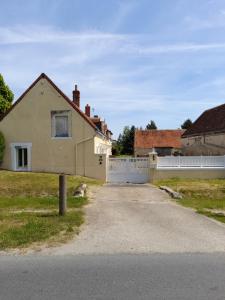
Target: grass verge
x=205 y=196
x=29 y=209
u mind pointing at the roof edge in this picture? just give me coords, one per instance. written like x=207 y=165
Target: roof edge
x=43 y=75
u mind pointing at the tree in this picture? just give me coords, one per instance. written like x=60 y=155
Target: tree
x=187 y=123
x=151 y=125
x=6 y=96
x=2 y=147
x=125 y=142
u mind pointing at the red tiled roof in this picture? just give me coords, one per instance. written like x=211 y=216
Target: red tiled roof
x=211 y=120
x=158 y=138
x=71 y=103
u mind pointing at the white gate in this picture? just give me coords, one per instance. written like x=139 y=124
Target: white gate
x=128 y=170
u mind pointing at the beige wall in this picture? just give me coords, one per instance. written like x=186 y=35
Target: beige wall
x=30 y=122
x=210 y=144
x=158 y=174
x=142 y=151
x=161 y=151
x=97 y=166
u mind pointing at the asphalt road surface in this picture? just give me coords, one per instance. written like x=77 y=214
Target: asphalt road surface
x=133 y=277
x=136 y=244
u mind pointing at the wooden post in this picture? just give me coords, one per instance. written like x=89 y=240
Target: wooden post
x=62 y=195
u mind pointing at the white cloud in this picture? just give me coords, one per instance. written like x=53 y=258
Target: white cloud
x=118 y=74
x=161 y=49
x=99 y=41
x=43 y=34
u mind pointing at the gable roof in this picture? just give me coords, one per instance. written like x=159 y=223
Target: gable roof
x=211 y=120
x=158 y=138
x=70 y=102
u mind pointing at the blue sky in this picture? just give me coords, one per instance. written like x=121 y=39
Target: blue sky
x=133 y=60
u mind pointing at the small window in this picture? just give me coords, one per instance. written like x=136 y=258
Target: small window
x=61 y=127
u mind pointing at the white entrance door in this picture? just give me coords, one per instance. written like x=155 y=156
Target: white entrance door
x=21 y=156
x=128 y=170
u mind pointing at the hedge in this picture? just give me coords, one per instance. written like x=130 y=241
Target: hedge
x=2 y=147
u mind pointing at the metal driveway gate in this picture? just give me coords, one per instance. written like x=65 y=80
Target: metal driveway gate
x=128 y=170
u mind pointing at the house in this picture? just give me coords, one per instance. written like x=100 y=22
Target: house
x=45 y=131
x=164 y=142
x=206 y=136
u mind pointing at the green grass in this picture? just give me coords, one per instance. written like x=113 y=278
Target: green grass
x=37 y=184
x=23 y=229
x=202 y=195
x=29 y=209
x=29 y=203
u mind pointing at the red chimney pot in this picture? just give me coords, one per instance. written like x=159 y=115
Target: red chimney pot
x=88 y=110
x=76 y=96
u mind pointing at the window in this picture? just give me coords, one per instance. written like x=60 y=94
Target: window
x=21 y=156
x=61 y=124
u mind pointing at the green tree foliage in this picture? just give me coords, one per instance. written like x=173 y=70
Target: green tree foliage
x=125 y=142
x=6 y=96
x=151 y=125
x=187 y=123
x=115 y=148
x=2 y=147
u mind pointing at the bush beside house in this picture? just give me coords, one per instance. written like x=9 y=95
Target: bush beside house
x=2 y=147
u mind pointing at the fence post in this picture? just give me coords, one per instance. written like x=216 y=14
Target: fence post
x=62 y=195
x=152 y=165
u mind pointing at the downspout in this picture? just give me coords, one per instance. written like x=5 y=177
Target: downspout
x=80 y=142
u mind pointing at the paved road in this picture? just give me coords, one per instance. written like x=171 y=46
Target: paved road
x=142 y=219
x=133 y=277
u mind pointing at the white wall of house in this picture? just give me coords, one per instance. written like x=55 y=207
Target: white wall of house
x=102 y=146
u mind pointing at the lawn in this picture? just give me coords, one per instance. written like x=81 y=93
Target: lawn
x=29 y=209
x=205 y=196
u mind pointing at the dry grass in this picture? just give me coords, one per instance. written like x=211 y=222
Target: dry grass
x=206 y=196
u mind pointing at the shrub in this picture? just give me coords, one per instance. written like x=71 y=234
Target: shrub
x=2 y=147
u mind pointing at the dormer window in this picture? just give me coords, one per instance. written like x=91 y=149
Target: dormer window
x=61 y=124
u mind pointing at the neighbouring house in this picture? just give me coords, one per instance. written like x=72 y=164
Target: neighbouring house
x=206 y=136
x=45 y=131
x=164 y=142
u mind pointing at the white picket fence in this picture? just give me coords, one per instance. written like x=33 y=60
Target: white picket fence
x=191 y=162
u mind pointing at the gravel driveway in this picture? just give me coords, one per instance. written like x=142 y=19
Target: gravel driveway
x=142 y=219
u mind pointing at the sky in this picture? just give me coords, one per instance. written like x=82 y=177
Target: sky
x=133 y=60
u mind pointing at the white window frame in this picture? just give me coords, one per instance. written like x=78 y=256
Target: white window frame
x=14 y=161
x=61 y=113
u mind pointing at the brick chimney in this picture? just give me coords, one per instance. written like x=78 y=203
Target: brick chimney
x=76 y=96
x=88 y=110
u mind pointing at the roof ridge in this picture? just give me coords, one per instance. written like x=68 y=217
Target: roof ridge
x=43 y=75
x=207 y=122
x=213 y=108
x=149 y=130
